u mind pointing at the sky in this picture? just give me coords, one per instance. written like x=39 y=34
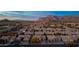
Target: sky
x=34 y=15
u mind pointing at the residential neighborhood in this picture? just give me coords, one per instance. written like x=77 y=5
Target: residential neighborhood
x=46 y=31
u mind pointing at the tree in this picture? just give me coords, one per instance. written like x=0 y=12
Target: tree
x=35 y=40
x=70 y=43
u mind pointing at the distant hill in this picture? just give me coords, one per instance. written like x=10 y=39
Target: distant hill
x=5 y=20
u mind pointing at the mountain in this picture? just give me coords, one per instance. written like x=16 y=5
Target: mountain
x=48 y=18
x=60 y=18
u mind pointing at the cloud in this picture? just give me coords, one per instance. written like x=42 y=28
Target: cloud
x=17 y=15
